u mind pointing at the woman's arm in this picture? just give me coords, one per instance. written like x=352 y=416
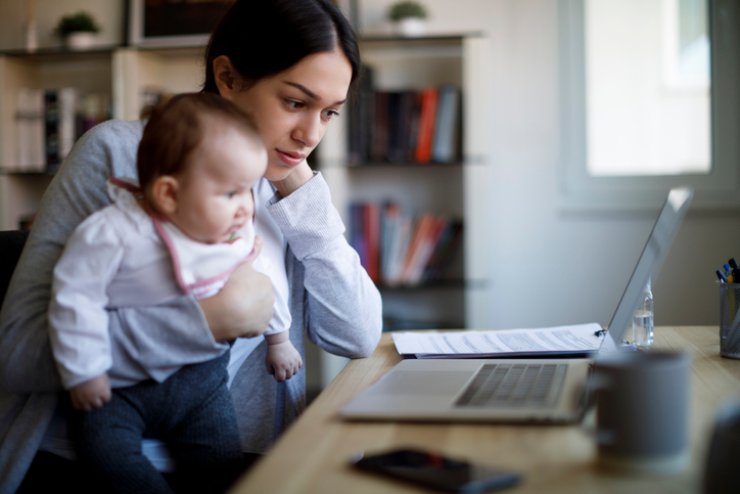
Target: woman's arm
x=344 y=306
x=78 y=189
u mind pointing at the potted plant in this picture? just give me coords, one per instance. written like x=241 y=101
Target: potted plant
x=408 y=17
x=77 y=30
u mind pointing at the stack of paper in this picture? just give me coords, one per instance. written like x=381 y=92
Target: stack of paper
x=577 y=340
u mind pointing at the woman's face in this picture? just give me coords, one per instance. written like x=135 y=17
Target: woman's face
x=294 y=108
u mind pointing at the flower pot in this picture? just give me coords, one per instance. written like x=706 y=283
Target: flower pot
x=411 y=26
x=79 y=41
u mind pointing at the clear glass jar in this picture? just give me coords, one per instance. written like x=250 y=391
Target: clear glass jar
x=643 y=320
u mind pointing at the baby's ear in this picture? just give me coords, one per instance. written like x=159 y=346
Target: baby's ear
x=164 y=194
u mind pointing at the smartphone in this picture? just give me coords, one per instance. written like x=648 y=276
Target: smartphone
x=434 y=470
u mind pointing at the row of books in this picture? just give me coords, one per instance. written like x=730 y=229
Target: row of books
x=407 y=126
x=399 y=248
x=49 y=121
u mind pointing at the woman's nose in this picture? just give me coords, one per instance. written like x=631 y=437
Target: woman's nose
x=309 y=131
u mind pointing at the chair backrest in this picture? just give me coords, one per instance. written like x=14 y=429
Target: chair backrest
x=11 y=246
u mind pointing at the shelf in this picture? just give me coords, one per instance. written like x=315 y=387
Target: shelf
x=418 y=40
x=60 y=53
x=367 y=163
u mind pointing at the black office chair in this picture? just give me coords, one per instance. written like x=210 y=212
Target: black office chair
x=11 y=245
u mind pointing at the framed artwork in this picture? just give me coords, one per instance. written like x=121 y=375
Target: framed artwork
x=159 y=23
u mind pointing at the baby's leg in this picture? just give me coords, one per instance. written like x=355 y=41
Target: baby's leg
x=205 y=441
x=109 y=439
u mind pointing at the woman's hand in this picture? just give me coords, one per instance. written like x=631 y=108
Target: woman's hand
x=295 y=179
x=243 y=307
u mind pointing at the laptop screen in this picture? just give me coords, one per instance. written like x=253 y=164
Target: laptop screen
x=653 y=254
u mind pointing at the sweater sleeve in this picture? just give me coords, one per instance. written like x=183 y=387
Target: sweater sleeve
x=77 y=190
x=344 y=315
x=77 y=316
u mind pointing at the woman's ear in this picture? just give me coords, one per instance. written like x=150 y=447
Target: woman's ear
x=164 y=194
x=225 y=76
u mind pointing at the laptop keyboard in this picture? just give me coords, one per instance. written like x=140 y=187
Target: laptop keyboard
x=515 y=385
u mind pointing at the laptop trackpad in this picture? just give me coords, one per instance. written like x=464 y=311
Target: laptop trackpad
x=426 y=382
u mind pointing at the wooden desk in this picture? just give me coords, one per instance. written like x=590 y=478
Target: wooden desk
x=312 y=455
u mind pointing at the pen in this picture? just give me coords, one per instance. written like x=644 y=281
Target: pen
x=735 y=270
x=721 y=277
x=728 y=273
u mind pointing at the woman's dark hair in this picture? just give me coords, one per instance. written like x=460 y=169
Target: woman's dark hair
x=265 y=37
x=178 y=126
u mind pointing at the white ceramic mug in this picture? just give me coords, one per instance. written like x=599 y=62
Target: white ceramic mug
x=642 y=411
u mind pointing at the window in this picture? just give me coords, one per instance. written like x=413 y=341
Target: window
x=643 y=108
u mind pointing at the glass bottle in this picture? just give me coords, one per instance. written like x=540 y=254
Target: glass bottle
x=643 y=319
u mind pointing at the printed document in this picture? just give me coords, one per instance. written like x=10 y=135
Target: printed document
x=581 y=339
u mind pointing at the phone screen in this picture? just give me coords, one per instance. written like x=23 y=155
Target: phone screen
x=437 y=471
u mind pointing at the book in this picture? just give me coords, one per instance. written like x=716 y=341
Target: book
x=390 y=220
x=580 y=339
x=427 y=116
x=394 y=247
x=415 y=252
x=424 y=251
x=60 y=119
x=356 y=231
x=361 y=115
x=447 y=128
x=447 y=248
x=398 y=246
x=394 y=127
x=380 y=129
x=29 y=124
x=371 y=234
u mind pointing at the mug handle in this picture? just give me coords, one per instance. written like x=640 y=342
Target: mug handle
x=595 y=383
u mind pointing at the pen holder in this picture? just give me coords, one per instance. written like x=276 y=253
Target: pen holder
x=729 y=320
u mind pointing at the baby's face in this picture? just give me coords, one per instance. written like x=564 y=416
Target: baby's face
x=215 y=192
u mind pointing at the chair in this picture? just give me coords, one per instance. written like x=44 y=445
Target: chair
x=11 y=246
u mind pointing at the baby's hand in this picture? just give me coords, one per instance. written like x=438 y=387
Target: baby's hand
x=283 y=360
x=91 y=394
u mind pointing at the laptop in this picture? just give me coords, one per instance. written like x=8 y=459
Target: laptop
x=529 y=390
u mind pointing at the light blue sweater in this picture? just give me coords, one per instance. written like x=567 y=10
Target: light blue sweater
x=332 y=301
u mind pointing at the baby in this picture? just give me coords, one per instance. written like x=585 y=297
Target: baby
x=186 y=229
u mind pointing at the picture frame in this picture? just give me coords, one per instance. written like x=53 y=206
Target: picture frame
x=172 y=23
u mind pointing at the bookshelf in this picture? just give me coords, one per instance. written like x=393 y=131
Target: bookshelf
x=110 y=82
x=450 y=186
x=30 y=79
x=457 y=188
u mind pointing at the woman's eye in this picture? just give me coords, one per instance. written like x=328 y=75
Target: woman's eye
x=294 y=104
x=231 y=195
x=329 y=114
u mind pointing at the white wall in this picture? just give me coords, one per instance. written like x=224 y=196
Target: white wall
x=548 y=266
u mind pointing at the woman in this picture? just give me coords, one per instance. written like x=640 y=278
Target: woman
x=290 y=64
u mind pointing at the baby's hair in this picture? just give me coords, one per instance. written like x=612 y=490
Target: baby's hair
x=176 y=128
